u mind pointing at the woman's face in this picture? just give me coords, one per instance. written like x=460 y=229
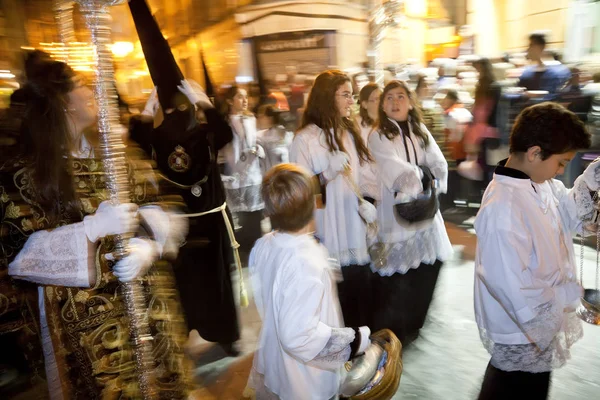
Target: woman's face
x=344 y=99
x=372 y=103
x=239 y=103
x=81 y=106
x=396 y=104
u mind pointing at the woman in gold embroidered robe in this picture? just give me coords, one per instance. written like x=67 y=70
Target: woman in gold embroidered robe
x=55 y=229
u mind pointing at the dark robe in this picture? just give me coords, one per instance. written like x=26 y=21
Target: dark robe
x=202 y=269
x=88 y=326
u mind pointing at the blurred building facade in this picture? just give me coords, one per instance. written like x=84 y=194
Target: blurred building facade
x=573 y=26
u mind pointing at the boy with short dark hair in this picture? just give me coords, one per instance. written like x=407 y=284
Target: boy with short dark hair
x=526 y=286
x=303 y=343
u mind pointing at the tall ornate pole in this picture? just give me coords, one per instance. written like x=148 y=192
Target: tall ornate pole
x=98 y=20
x=383 y=14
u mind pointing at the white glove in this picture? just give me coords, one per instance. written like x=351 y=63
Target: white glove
x=195 y=93
x=367 y=211
x=227 y=178
x=168 y=229
x=142 y=253
x=152 y=104
x=591 y=175
x=337 y=163
x=568 y=294
x=260 y=152
x=111 y=220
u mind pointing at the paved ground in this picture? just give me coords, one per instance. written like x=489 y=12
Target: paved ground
x=446 y=362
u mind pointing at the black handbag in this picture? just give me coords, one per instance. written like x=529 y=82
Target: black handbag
x=427 y=205
x=422 y=209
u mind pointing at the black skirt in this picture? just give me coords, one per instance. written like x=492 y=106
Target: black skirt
x=356 y=295
x=203 y=276
x=401 y=301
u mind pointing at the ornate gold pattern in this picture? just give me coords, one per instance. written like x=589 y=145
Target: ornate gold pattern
x=89 y=326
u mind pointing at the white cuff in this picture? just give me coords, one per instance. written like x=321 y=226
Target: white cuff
x=365 y=334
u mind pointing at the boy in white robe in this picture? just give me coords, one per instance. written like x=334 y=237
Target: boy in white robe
x=303 y=343
x=526 y=286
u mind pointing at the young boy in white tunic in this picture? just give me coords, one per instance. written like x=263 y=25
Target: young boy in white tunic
x=303 y=343
x=526 y=286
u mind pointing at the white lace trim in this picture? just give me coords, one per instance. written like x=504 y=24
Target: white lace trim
x=426 y=246
x=57 y=257
x=352 y=257
x=337 y=350
x=408 y=183
x=552 y=331
x=244 y=199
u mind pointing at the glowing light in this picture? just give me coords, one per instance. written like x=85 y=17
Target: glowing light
x=122 y=49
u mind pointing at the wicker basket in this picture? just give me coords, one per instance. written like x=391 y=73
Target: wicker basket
x=388 y=386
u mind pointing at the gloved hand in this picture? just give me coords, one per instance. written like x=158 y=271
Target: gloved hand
x=568 y=294
x=142 y=253
x=260 y=152
x=111 y=220
x=338 y=161
x=168 y=229
x=591 y=175
x=367 y=211
x=152 y=104
x=227 y=178
x=195 y=93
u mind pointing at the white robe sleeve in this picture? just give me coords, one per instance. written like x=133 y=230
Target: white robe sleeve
x=301 y=332
x=576 y=206
x=337 y=350
x=300 y=154
x=397 y=174
x=435 y=160
x=62 y=256
x=535 y=307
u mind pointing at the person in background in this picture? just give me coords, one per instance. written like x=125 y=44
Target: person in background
x=422 y=89
x=272 y=136
x=526 y=285
x=456 y=120
x=242 y=172
x=303 y=344
x=540 y=76
x=368 y=100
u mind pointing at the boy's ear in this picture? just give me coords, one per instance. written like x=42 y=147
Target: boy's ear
x=534 y=153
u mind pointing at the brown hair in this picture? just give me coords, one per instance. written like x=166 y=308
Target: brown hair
x=229 y=95
x=364 y=95
x=289 y=195
x=550 y=126
x=388 y=128
x=45 y=134
x=321 y=111
x=486 y=79
x=270 y=111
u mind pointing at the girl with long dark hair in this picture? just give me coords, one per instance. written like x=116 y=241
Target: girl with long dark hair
x=406 y=155
x=329 y=145
x=54 y=232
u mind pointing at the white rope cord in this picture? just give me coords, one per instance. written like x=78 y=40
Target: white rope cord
x=234 y=245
